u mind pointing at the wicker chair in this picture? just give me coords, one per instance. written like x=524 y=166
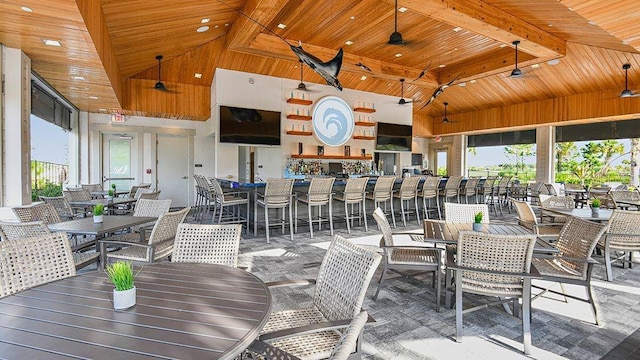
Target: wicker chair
x=343 y=349
x=578 y=193
x=319 y=194
x=210 y=244
x=555 y=202
x=383 y=193
x=78 y=194
x=277 y=195
x=494 y=265
x=134 y=189
x=398 y=257
x=354 y=193
x=502 y=192
x=62 y=206
x=341 y=285
x=430 y=191
x=465 y=212
x=527 y=218
x=451 y=189
x=34 y=261
x=19 y=231
x=144 y=208
x=534 y=191
x=160 y=242
x=621 y=196
x=409 y=192
x=470 y=189
x=42 y=212
x=149 y=195
x=622 y=235
x=235 y=200
x=573 y=264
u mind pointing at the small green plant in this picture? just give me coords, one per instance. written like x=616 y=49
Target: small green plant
x=98 y=210
x=595 y=203
x=478 y=218
x=121 y=275
x=113 y=186
x=110 y=192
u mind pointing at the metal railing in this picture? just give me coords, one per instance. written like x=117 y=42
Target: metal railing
x=44 y=173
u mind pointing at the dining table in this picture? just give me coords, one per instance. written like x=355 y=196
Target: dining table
x=583 y=213
x=108 y=203
x=182 y=311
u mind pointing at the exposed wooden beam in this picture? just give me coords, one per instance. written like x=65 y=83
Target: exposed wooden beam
x=244 y=30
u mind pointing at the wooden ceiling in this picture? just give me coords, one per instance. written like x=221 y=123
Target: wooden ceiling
x=112 y=45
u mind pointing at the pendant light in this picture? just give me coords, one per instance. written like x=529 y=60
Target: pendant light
x=516 y=73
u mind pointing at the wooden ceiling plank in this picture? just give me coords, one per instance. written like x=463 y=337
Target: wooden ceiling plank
x=244 y=29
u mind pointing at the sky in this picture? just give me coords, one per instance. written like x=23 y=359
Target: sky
x=49 y=142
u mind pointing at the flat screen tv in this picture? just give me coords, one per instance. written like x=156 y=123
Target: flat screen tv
x=249 y=126
x=393 y=137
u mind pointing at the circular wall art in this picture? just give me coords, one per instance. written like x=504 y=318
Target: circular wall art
x=333 y=121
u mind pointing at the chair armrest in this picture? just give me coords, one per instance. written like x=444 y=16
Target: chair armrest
x=617 y=234
x=268 y=351
x=113 y=242
x=567 y=258
x=408 y=247
x=530 y=274
x=300 y=282
x=309 y=329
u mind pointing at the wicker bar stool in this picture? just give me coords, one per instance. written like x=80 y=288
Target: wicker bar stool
x=383 y=193
x=354 y=193
x=319 y=194
x=277 y=195
x=451 y=189
x=470 y=189
x=430 y=191
x=234 y=200
x=409 y=191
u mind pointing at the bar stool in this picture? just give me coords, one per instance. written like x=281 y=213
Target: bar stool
x=409 y=191
x=503 y=192
x=235 y=200
x=383 y=193
x=451 y=189
x=277 y=195
x=319 y=195
x=429 y=192
x=470 y=189
x=487 y=192
x=354 y=193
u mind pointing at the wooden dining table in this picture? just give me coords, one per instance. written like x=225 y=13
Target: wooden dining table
x=183 y=311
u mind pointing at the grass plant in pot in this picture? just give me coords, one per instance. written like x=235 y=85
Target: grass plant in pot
x=98 y=213
x=121 y=275
x=477 y=221
x=110 y=195
x=595 y=207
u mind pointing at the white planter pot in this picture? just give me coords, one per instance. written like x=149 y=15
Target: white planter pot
x=124 y=299
x=595 y=211
x=98 y=218
x=477 y=227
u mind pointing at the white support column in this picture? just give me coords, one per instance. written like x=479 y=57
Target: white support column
x=16 y=128
x=545 y=142
x=458 y=152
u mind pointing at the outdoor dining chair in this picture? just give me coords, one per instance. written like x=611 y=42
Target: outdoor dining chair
x=341 y=284
x=555 y=202
x=62 y=206
x=527 y=218
x=144 y=208
x=465 y=212
x=34 y=261
x=46 y=213
x=234 y=201
x=210 y=244
x=621 y=239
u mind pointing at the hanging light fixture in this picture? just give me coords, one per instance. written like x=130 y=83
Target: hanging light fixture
x=516 y=73
x=444 y=119
x=301 y=86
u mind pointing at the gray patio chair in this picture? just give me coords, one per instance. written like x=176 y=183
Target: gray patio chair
x=46 y=213
x=621 y=239
x=210 y=244
x=527 y=218
x=341 y=284
x=465 y=212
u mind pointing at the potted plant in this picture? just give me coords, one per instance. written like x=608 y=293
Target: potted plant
x=595 y=207
x=98 y=212
x=110 y=195
x=477 y=222
x=121 y=275
x=113 y=187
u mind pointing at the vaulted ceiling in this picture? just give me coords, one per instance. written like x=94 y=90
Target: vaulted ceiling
x=108 y=51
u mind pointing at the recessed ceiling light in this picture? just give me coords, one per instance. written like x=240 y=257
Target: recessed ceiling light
x=592 y=23
x=441 y=65
x=204 y=21
x=349 y=42
x=102 y=109
x=353 y=18
x=402 y=9
x=281 y=26
x=93 y=97
x=217 y=26
x=503 y=45
x=363 y=78
x=26 y=8
x=570 y=9
x=550 y=25
x=472 y=81
x=535 y=66
x=76 y=77
x=398 y=55
x=456 y=29
x=198 y=76
x=226 y=24
x=553 y=62
x=51 y=42
x=202 y=29
x=462 y=84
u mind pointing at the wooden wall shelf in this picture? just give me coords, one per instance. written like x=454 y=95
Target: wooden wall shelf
x=332 y=157
x=360 y=137
x=364 y=110
x=299 y=101
x=299 y=117
x=299 y=133
x=365 y=123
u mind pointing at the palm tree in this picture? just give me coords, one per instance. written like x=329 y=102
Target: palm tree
x=564 y=151
x=608 y=149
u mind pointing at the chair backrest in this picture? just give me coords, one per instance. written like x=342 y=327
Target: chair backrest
x=21 y=230
x=155 y=208
x=471 y=183
x=142 y=190
x=431 y=186
x=624 y=230
x=355 y=188
x=384 y=187
x=152 y=195
x=134 y=189
x=504 y=253
x=573 y=187
x=577 y=240
x=535 y=188
x=383 y=225
x=320 y=189
x=409 y=187
x=549 y=189
x=504 y=184
x=278 y=191
x=77 y=195
x=453 y=182
x=167 y=225
x=435 y=229
x=465 y=212
x=60 y=203
x=557 y=202
x=204 y=243
x=215 y=186
x=606 y=200
x=487 y=186
x=343 y=279
x=92 y=187
x=625 y=195
x=349 y=338
x=526 y=215
x=46 y=213
x=33 y=261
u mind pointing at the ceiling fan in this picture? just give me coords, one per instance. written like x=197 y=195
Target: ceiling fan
x=445 y=120
x=626 y=92
x=160 y=85
x=396 y=37
x=402 y=100
x=516 y=73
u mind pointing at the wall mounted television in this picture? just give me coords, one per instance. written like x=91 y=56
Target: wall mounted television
x=249 y=126
x=393 y=137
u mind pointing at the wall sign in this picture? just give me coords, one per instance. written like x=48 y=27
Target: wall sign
x=333 y=121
